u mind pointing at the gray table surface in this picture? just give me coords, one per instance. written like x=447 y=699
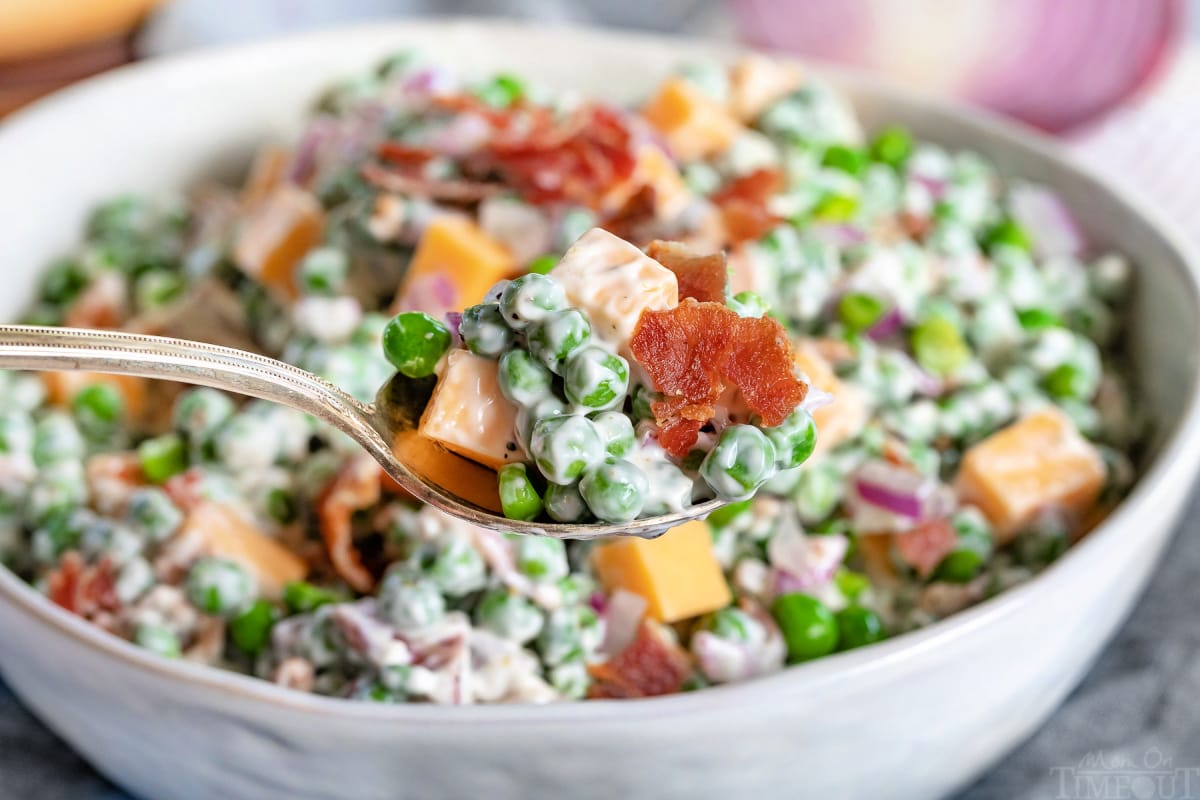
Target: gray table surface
x=1140 y=703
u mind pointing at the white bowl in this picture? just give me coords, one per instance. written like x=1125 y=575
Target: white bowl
x=915 y=717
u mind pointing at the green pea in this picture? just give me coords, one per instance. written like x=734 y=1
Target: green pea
x=725 y=515
x=835 y=208
x=858 y=626
x=458 y=568
x=98 y=410
x=518 y=498
x=1007 y=233
x=794 y=439
x=509 y=615
x=281 y=505
x=1067 y=381
x=200 y=412
x=565 y=447
x=502 y=91
x=529 y=416
x=542 y=558
x=219 y=586
x=531 y=298
x=850 y=583
x=543 y=264
x=158 y=639
x=643 y=397
x=157 y=288
x=742 y=461
x=892 y=146
x=1037 y=319
x=616 y=430
x=571 y=634
x=56 y=438
x=559 y=336
x=615 y=490
x=748 y=304
x=808 y=626
x=162 y=457
x=414 y=342
x=301 y=597
x=850 y=160
x=973 y=547
x=251 y=629
x=939 y=347
x=484 y=330
x=859 y=310
x=323 y=271
x=565 y=503
x=410 y=600
x=596 y=379
x=152 y=514
x=16 y=432
x=524 y=381
x=731 y=623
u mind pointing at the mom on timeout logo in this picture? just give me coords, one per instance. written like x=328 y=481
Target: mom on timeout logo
x=1118 y=777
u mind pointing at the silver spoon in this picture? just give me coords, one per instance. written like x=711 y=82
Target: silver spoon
x=386 y=428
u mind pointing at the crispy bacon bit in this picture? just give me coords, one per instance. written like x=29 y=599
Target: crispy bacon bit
x=83 y=589
x=652 y=664
x=406 y=155
x=924 y=547
x=447 y=190
x=112 y=478
x=694 y=351
x=186 y=489
x=702 y=277
x=743 y=203
x=355 y=487
x=101 y=305
x=208 y=642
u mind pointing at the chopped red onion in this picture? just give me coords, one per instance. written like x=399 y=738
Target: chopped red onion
x=816 y=398
x=898 y=491
x=622 y=620
x=887 y=325
x=1052 y=226
x=803 y=563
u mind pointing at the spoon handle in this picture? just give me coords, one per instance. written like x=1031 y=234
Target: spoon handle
x=29 y=347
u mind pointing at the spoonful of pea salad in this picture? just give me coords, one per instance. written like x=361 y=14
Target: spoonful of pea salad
x=622 y=393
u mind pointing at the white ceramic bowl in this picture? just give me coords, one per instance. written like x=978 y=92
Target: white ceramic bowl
x=915 y=717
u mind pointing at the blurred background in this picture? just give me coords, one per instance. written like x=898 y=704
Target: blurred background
x=1117 y=80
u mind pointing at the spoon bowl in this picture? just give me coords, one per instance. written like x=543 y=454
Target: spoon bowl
x=386 y=429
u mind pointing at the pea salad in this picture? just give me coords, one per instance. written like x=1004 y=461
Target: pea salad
x=903 y=370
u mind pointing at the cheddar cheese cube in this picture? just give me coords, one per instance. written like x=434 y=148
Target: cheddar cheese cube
x=614 y=282
x=228 y=534
x=756 y=82
x=278 y=232
x=468 y=415
x=694 y=124
x=846 y=415
x=454 y=265
x=266 y=173
x=677 y=574
x=1038 y=462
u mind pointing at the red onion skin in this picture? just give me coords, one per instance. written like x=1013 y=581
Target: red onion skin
x=887 y=325
x=889 y=500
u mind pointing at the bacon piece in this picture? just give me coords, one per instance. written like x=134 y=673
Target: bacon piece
x=743 y=204
x=446 y=190
x=702 y=277
x=112 y=478
x=694 y=351
x=652 y=664
x=405 y=155
x=924 y=547
x=101 y=305
x=355 y=487
x=83 y=589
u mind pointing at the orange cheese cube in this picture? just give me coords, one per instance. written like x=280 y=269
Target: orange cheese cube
x=468 y=415
x=694 y=124
x=266 y=173
x=278 y=232
x=756 y=82
x=848 y=412
x=61 y=388
x=454 y=265
x=1037 y=462
x=677 y=574
x=228 y=534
